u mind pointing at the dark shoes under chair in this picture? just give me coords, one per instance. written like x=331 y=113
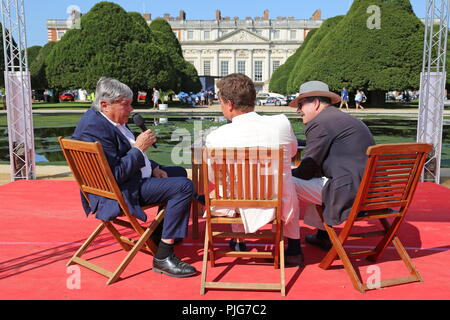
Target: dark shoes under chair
x=174 y=267
x=313 y=239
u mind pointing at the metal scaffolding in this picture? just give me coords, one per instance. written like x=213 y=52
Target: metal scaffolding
x=432 y=85
x=18 y=91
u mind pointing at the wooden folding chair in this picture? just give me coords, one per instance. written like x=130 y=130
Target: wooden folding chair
x=390 y=179
x=93 y=174
x=243 y=177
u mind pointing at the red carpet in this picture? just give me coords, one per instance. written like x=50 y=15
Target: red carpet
x=43 y=224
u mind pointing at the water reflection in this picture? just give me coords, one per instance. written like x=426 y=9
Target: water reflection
x=181 y=131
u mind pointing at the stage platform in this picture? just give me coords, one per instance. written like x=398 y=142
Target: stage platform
x=42 y=224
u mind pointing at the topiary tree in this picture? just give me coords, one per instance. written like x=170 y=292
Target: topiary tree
x=186 y=75
x=279 y=80
x=309 y=46
x=37 y=67
x=373 y=59
x=110 y=42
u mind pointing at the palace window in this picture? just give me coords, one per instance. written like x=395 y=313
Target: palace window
x=206 y=35
x=241 y=66
x=275 y=65
x=258 y=69
x=206 y=68
x=293 y=34
x=223 y=68
x=190 y=34
x=276 y=34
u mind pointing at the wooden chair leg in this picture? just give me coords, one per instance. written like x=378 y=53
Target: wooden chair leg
x=282 y=280
x=337 y=245
x=117 y=236
x=130 y=256
x=205 y=262
x=384 y=242
x=87 y=243
x=406 y=259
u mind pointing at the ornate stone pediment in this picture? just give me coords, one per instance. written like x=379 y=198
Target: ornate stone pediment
x=242 y=36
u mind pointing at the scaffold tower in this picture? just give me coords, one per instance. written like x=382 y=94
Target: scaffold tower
x=432 y=85
x=18 y=91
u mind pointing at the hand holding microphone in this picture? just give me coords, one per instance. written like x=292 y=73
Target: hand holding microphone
x=147 y=137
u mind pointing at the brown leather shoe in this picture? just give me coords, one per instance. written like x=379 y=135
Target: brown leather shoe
x=324 y=244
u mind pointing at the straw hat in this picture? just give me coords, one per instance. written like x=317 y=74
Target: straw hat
x=314 y=89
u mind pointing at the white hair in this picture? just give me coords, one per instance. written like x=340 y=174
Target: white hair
x=111 y=90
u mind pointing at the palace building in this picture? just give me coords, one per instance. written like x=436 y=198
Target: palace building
x=253 y=46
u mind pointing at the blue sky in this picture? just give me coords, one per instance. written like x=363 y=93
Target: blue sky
x=37 y=12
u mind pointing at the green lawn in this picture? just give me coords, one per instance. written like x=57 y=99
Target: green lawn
x=62 y=105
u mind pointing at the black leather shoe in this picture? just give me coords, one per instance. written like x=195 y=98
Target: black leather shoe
x=237 y=246
x=174 y=267
x=324 y=244
x=294 y=261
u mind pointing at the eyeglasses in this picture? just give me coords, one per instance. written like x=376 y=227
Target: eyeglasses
x=301 y=103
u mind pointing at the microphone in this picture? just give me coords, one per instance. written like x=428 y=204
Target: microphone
x=140 y=122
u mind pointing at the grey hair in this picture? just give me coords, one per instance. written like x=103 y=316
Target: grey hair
x=111 y=90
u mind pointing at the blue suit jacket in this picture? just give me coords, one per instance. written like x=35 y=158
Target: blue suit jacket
x=125 y=162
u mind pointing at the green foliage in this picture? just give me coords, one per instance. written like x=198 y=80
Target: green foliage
x=309 y=48
x=113 y=43
x=186 y=78
x=279 y=80
x=353 y=55
x=32 y=53
x=37 y=67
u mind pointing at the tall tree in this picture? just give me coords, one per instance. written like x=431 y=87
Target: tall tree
x=363 y=53
x=37 y=67
x=110 y=42
x=186 y=75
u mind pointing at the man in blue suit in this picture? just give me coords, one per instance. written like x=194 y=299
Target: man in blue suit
x=141 y=181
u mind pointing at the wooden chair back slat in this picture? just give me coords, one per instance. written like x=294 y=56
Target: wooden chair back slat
x=390 y=174
x=248 y=178
x=241 y=177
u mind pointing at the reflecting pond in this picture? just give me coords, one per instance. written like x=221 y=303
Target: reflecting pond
x=175 y=134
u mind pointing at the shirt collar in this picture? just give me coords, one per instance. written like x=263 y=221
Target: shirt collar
x=244 y=116
x=115 y=124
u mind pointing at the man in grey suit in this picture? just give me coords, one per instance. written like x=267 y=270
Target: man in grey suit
x=334 y=159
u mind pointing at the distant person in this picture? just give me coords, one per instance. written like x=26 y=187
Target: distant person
x=358 y=99
x=155 y=98
x=210 y=98
x=202 y=98
x=344 y=98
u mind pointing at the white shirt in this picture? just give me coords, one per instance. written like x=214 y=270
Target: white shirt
x=147 y=169
x=252 y=130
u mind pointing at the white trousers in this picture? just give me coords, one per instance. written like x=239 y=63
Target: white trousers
x=309 y=193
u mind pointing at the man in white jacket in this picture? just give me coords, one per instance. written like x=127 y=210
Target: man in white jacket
x=237 y=97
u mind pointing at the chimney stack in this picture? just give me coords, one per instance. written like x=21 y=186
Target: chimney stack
x=266 y=14
x=182 y=15
x=317 y=15
x=147 y=16
x=218 y=15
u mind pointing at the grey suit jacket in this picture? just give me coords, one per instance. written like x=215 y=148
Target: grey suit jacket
x=336 y=145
